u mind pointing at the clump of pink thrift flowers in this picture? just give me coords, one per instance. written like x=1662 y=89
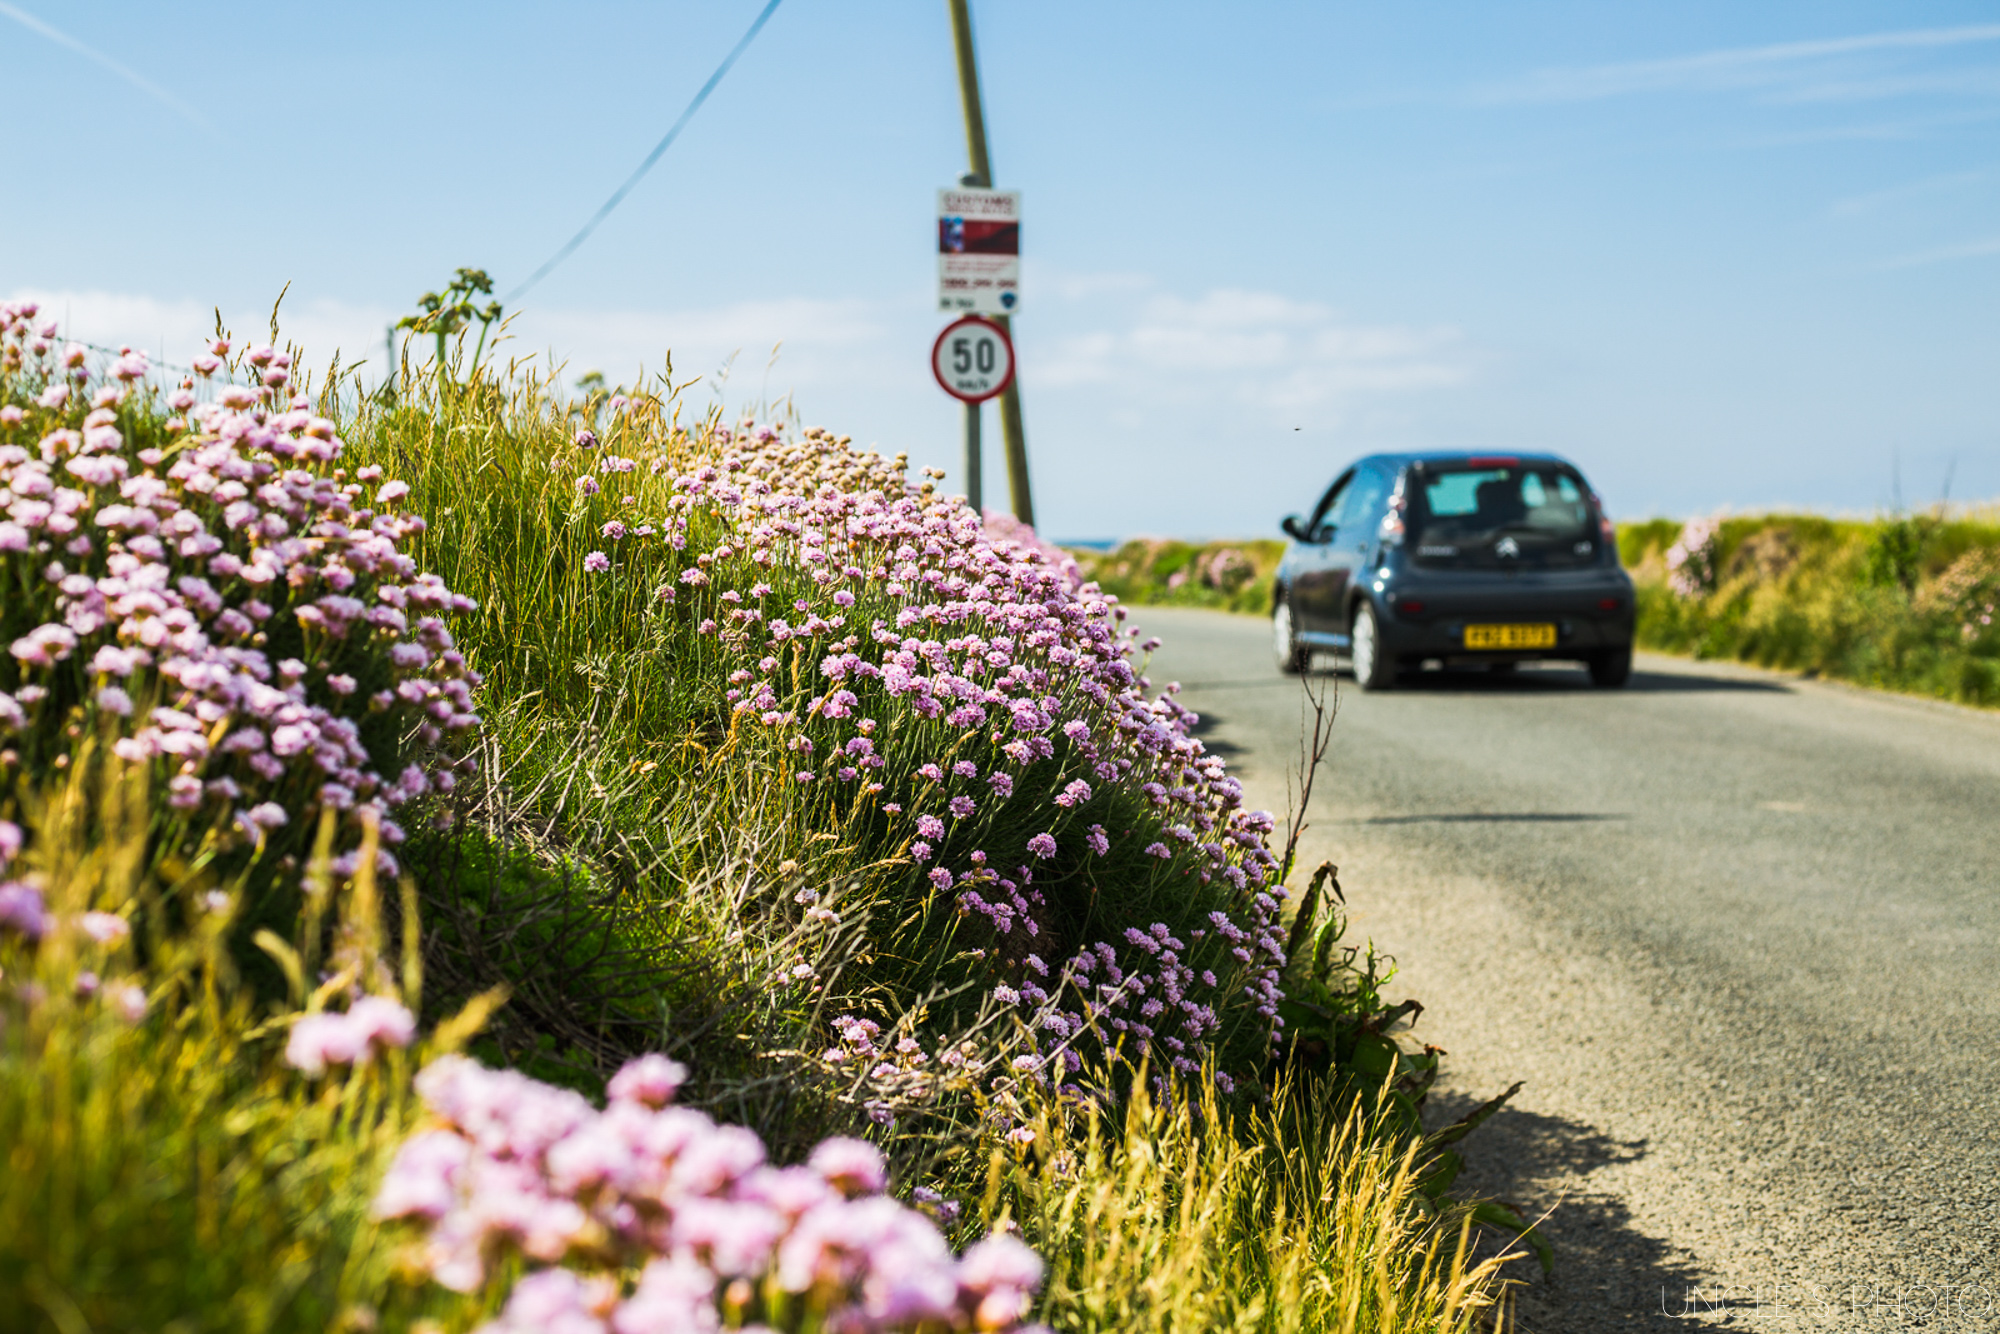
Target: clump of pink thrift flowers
x=951 y=686
x=645 y=1216
x=218 y=593
x=1692 y=568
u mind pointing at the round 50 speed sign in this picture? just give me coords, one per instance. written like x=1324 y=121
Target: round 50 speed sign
x=973 y=359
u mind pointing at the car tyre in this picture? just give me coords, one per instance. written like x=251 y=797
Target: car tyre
x=1285 y=646
x=1373 y=668
x=1611 y=668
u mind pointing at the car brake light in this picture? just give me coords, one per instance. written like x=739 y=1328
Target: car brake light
x=1493 y=461
x=1409 y=606
x=1610 y=604
x=1392 y=527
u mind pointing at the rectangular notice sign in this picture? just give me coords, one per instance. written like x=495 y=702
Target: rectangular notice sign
x=979 y=251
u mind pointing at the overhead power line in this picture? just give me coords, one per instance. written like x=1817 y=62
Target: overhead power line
x=618 y=196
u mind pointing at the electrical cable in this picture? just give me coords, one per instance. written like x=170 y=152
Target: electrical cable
x=618 y=195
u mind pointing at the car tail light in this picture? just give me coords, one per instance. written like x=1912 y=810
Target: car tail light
x=1409 y=606
x=1392 y=523
x=1492 y=461
x=1610 y=604
x=1605 y=528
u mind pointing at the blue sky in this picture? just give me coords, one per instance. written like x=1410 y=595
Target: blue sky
x=1720 y=254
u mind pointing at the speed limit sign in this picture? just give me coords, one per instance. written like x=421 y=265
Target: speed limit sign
x=973 y=359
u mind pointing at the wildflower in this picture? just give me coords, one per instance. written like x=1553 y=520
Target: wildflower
x=961 y=807
x=22 y=911
x=105 y=928
x=613 y=530
x=853 y=1167
x=1043 y=846
x=650 y=1081
x=596 y=562
x=130 y=1002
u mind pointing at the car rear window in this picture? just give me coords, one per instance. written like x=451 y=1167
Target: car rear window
x=1501 y=515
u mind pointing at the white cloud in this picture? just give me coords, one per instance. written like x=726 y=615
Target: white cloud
x=1944 y=254
x=173 y=331
x=1731 y=68
x=1247 y=349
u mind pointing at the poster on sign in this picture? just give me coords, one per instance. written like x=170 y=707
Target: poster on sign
x=979 y=250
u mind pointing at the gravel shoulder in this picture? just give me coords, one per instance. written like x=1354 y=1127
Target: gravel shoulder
x=1740 y=935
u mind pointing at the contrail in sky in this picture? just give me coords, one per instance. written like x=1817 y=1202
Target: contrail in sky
x=131 y=76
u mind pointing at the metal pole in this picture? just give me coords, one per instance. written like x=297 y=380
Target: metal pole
x=972 y=487
x=982 y=166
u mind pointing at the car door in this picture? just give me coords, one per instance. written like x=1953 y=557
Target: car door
x=1358 y=514
x=1318 y=583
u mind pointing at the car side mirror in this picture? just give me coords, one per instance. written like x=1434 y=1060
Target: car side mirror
x=1294 y=527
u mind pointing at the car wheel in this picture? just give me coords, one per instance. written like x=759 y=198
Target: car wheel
x=1373 y=669
x=1611 y=668
x=1285 y=646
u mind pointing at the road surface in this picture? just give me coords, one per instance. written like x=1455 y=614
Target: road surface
x=1740 y=934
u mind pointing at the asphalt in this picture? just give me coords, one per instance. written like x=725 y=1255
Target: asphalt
x=1739 y=933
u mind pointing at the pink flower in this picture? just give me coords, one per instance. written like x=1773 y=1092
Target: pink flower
x=650 y=1081
x=105 y=928
x=320 y=1040
x=852 y=1166
x=382 y=1022
x=961 y=807
x=22 y=911
x=390 y=492
x=423 y=1180
x=596 y=562
x=1043 y=846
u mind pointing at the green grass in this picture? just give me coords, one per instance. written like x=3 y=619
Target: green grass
x=1895 y=603
x=630 y=871
x=1226 y=576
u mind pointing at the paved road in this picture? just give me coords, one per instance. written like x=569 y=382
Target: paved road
x=1739 y=932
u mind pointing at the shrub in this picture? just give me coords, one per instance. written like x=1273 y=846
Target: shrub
x=926 y=716
x=212 y=595
x=1896 y=602
x=1692 y=561
x=1230 y=576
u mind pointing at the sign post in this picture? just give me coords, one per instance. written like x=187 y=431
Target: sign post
x=973 y=360
x=982 y=176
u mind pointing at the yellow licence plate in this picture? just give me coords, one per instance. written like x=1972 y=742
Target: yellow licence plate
x=1510 y=636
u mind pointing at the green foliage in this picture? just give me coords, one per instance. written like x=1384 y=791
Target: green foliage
x=609 y=716
x=167 y=1171
x=1308 y=1214
x=1228 y=576
x=1903 y=603
x=448 y=314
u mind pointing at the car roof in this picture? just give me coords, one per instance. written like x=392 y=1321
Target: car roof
x=1461 y=455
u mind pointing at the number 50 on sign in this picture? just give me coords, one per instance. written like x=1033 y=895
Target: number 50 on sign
x=973 y=359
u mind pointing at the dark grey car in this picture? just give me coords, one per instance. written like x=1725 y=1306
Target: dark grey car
x=1462 y=558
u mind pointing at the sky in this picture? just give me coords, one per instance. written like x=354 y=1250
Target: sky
x=1721 y=255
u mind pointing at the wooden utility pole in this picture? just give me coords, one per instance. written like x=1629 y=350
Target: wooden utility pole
x=982 y=168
